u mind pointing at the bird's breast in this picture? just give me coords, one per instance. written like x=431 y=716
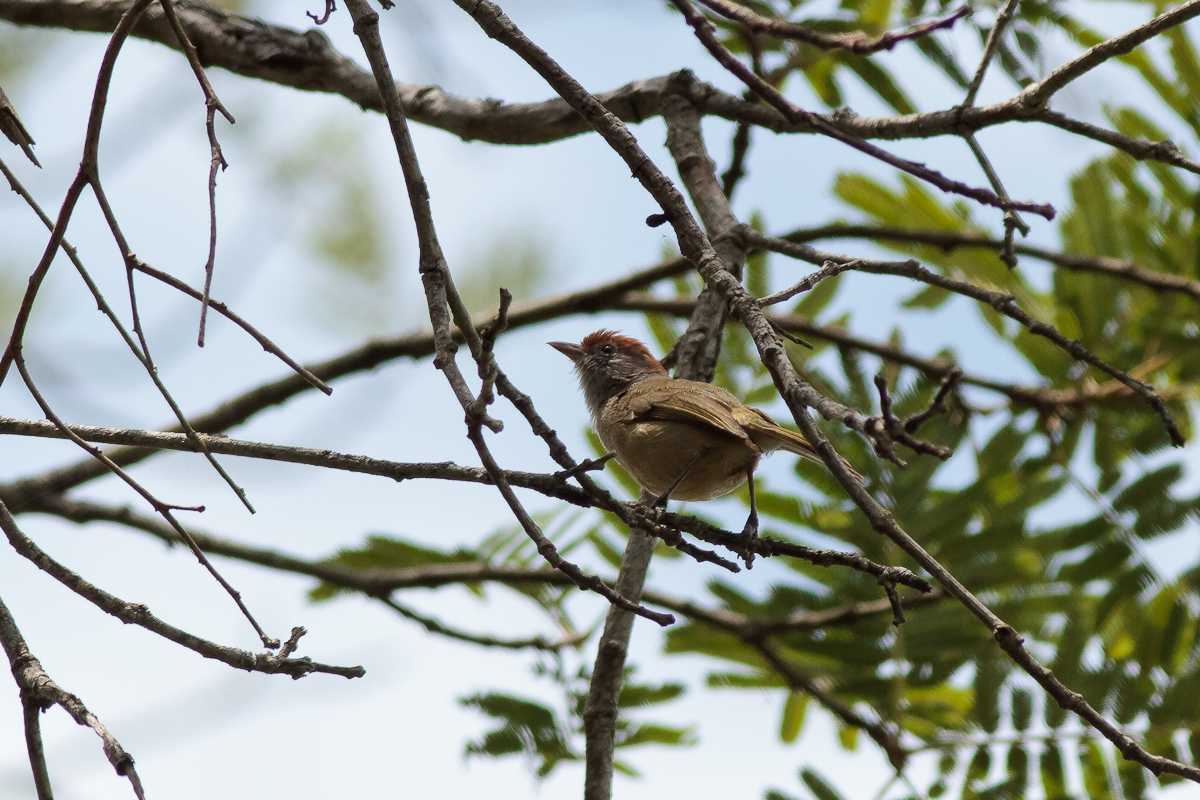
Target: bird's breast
x=656 y=453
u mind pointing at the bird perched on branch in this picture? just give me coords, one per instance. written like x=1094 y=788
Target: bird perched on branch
x=677 y=438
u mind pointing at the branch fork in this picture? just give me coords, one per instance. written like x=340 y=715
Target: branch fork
x=886 y=429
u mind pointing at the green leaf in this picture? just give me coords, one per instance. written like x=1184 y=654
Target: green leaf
x=658 y=734
x=793 y=716
x=1022 y=709
x=816 y=783
x=635 y=695
x=1054 y=778
x=932 y=49
x=880 y=82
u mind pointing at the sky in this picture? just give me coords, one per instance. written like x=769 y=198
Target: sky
x=197 y=727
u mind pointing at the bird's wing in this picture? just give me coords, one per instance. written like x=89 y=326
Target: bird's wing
x=770 y=435
x=710 y=406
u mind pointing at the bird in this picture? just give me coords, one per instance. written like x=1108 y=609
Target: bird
x=678 y=439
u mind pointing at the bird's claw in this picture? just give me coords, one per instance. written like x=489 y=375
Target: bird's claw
x=749 y=534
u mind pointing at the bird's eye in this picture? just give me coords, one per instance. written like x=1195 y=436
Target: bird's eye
x=607 y=349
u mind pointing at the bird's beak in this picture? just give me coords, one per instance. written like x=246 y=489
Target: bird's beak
x=571 y=351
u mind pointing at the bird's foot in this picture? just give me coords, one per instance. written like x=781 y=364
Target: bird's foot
x=749 y=535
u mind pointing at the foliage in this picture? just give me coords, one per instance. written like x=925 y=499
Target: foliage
x=547 y=738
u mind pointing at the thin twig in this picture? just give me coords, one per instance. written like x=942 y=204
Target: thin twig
x=1038 y=94
x=88 y=174
x=737 y=160
x=162 y=508
x=1048 y=401
x=1164 y=151
x=890 y=429
x=377 y=583
x=330 y=7
x=86 y=169
x=170 y=280
x=533 y=643
x=216 y=159
x=20 y=493
x=372 y=354
x=827 y=270
x=989 y=50
x=224 y=310
x=952 y=240
x=884 y=734
x=1012 y=220
x=854 y=41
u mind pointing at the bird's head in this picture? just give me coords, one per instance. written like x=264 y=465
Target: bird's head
x=607 y=363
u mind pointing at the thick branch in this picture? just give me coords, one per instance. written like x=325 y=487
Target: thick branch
x=21 y=494
x=306 y=61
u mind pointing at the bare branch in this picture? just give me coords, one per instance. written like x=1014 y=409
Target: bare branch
x=755 y=628
x=137 y=614
x=433 y=626
x=1164 y=151
x=1012 y=220
x=86 y=169
x=767 y=547
x=216 y=160
x=795 y=114
x=1048 y=401
x=901 y=430
x=39 y=692
x=381 y=582
x=170 y=280
x=366 y=357
x=952 y=240
x=162 y=508
x=1038 y=94
x=21 y=493
x=330 y=7
x=306 y=61
x=743 y=307
x=1012 y=644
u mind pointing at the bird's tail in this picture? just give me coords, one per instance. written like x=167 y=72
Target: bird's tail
x=769 y=435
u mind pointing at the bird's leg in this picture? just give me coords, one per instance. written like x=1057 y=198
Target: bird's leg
x=750 y=532
x=661 y=502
